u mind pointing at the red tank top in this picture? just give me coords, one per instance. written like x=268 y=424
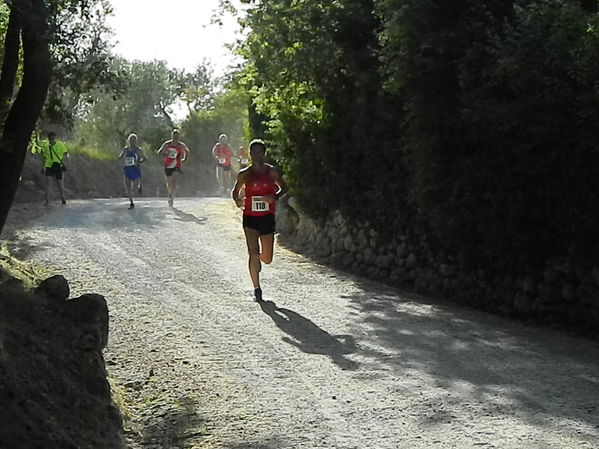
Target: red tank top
x=257 y=186
x=223 y=153
x=172 y=155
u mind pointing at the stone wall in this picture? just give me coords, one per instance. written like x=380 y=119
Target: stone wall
x=564 y=291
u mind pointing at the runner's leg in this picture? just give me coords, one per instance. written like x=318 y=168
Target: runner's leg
x=219 y=179
x=267 y=243
x=60 y=187
x=254 y=265
x=48 y=183
x=128 y=183
x=227 y=181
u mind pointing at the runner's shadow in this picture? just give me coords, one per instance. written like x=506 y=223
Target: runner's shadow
x=184 y=216
x=309 y=338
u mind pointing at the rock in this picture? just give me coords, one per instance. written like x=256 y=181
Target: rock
x=550 y=294
x=369 y=256
x=384 y=261
x=523 y=304
x=341 y=258
x=89 y=316
x=595 y=273
x=569 y=292
x=562 y=266
x=362 y=239
x=14 y=284
x=55 y=288
x=448 y=270
x=529 y=283
x=587 y=294
x=402 y=250
x=348 y=244
x=411 y=261
x=292 y=203
x=551 y=276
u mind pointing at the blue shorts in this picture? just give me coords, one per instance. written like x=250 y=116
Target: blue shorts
x=132 y=172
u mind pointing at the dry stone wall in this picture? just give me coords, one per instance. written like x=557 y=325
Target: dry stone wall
x=564 y=291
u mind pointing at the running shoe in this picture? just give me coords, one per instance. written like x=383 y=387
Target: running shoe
x=258 y=294
x=131 y=206
x=64 y=201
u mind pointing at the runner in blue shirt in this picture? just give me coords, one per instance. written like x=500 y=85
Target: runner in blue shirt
x=132 y=156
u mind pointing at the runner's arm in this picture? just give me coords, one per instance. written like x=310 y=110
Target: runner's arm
x=162 y=147
x=142 y=156
x=185 y=152
x=237 y=188
x=283 y=188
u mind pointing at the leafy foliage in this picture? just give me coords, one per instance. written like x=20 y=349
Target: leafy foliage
x=476 y=119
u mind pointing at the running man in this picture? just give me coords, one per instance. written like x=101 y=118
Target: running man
x=223 y=154
x=132 y=156
x=54 y=152
x=242 y=157
x=174 y=153
x=263 y=186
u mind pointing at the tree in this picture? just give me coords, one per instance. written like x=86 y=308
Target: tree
x=30 y=19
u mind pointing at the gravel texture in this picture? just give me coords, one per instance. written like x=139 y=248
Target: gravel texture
x=328 y=361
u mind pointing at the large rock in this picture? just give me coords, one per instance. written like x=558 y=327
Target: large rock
x=89 y=316
x=55 y=288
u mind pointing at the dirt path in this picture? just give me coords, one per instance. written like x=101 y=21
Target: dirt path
x=329 y=361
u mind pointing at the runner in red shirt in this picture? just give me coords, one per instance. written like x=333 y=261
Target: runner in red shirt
x=263 y=186
x=223 y=155
x=174 y=153
x=243 y=158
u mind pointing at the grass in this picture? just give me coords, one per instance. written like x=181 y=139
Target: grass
x=30 y=274
x=92 y=153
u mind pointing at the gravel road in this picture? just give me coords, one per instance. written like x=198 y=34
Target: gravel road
x=328 y=361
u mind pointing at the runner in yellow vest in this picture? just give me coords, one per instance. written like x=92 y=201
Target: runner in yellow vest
x=54 y=153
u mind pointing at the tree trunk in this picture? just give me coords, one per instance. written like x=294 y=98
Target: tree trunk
x=10 y=64
x=25 y=111
x=167 y=116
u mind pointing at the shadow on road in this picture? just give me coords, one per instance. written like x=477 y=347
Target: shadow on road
x=176 y=427
x=506 y=366
x=309 y=338
x=186 y=217
x=271 y=444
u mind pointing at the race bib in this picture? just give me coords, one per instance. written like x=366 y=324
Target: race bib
x=129 y=161
x=244 y=161
x=259 y=205
x=172 y=153
x=221 y=160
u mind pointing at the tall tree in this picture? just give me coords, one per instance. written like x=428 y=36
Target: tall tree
x=20 y=121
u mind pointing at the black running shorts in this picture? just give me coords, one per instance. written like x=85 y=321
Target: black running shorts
x=54 y=171
x=169 y=171
x=264 y=224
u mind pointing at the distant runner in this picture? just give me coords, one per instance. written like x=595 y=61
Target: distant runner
x=242 y=157
x=223 y=155
x=132 y=156
x=54 y=153
x=263 y=186
x=174 y=153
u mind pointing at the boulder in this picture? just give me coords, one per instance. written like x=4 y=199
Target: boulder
x=89 y=316
x=55 y=288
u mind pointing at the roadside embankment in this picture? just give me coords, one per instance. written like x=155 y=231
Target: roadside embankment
x=53 y=385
